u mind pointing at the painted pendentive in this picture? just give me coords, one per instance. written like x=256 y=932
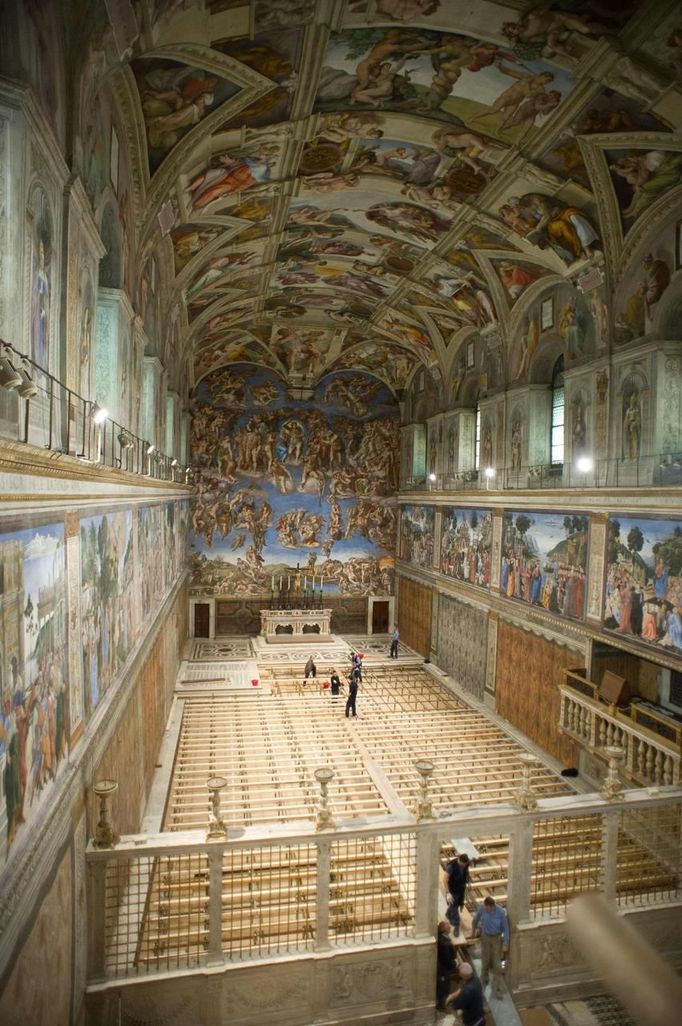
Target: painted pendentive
x=288 y=481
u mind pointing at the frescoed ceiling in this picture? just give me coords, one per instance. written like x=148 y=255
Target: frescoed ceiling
x=354 y=183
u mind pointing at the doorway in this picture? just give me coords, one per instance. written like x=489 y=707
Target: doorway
x=380 y=617
x=202 y=620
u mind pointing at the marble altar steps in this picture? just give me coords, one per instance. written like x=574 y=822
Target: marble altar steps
x=269 y=901
x=268 y=752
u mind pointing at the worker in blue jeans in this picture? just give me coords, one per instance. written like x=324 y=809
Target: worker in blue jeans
x=490 y=921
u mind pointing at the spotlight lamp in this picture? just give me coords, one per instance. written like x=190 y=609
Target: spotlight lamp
x=432 y=477
x=28 y=388
x=174 y=462
x=125 y=441
x=9 y=376
x=149 y=449
x=489 y=472
x=98 y=414
x=585 y=464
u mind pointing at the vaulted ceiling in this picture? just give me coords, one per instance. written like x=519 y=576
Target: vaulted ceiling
x=368 y=183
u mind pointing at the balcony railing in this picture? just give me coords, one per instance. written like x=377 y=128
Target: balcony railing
x=37 y=409
x=660 y=469
x=649 y=760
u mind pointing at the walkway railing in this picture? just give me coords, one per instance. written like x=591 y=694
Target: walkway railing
x=659 y=469
x=37 y=409
x=648 y=759
x=177 y=901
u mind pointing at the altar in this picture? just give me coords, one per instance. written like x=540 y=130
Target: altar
x=295 y=625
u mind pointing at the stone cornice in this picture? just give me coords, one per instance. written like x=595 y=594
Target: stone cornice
x=25 y=459
x=654 y=501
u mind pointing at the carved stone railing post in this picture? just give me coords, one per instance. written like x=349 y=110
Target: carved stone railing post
x=215 y=907
x=104 y=831
x=525 y=797
x=323 y=876
x=427 y=882
x=424 y=808
x=520 y=865
x=324 y=775
x=609 y=854
x=612 y=788
x=97 y=921
x=217 y=829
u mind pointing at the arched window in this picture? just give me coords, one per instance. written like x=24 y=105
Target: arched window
x=557 y=430
x=477 y=448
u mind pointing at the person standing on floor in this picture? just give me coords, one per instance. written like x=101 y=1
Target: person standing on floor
x=357 y=664
x=490 y=921
x=395 y=637
x=335 y=682
x=468 y=998
x=445 y=955
x=458 y=878
x=353 y=684
x=310 y=668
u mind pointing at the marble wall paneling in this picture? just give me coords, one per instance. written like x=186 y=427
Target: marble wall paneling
x=38 y=987
x=463 y=643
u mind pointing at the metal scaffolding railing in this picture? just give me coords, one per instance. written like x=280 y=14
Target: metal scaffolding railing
x=38 y=409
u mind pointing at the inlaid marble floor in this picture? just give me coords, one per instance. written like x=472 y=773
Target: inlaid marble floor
x=226 y=647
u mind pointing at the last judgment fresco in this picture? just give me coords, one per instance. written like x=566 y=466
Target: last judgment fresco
x=287 y=482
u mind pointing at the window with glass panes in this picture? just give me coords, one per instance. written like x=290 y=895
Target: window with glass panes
x=477 y=449
x=557 y=431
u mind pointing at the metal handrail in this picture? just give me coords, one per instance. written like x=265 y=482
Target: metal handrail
x=659 y=469
x=61 y=420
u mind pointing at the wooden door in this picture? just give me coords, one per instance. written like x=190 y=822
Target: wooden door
x=202 y=620
x=380 y=617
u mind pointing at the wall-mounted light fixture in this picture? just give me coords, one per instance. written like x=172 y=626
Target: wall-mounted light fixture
x=9 y=376
x=98 y=414
x=125 y=441
x=28 y=388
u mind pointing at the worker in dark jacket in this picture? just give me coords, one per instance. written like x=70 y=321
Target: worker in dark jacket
x=458 y=878
x=468 y=998
x=353 y=684
x=445 y=963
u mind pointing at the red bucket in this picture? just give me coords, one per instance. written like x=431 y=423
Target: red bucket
x=254 y=683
